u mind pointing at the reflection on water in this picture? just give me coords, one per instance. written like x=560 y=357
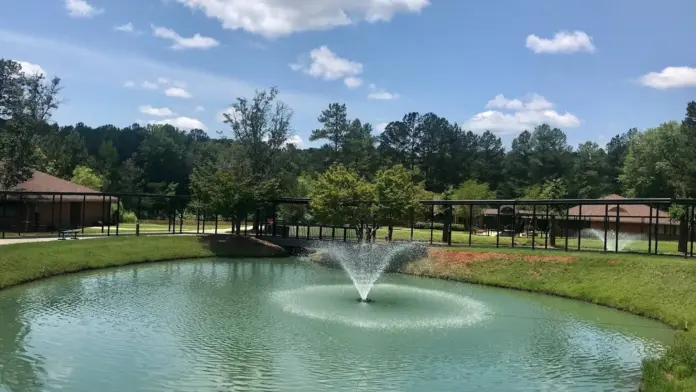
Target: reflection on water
x=218 y=326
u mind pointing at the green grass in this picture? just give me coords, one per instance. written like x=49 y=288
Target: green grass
x=661 y=288
x=462 y=237
x=20 y=263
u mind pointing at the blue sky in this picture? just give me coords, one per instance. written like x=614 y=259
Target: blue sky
x=592 y=68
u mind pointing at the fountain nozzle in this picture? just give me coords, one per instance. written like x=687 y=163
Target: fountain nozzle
x=366 y=300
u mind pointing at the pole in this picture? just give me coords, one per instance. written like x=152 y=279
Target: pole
x=60 y=214
x=118 y=214
x=548 y=229
x=616 y=234
x=103 y=213
x=579 y=225
x=137 y=218
x=471 y=222
x=650 y=230
x=108 y=223
x=432 y=223
x=567 y=227
x=657 y=228
x=216 y=223
x=533 y=225
x=606 y=224
x=82 y=218
x=497 y=229
x=514 y=226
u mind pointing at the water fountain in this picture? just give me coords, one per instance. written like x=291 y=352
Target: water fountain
x=625 y=239
x=365 y=263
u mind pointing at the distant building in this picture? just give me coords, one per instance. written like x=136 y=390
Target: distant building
x=32 y=212
x=633 y=218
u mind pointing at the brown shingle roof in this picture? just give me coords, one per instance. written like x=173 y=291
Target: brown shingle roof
x=42 y=182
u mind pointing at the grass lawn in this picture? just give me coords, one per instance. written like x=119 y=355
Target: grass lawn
x=462 y=237
x=21 y=263
x=663 y=288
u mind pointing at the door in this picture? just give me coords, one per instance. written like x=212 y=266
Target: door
x=75 y=214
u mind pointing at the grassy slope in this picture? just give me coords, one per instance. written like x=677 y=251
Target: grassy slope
x=658 y=287
x=21 y=263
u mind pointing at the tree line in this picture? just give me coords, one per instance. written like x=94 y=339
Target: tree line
x=253 y=161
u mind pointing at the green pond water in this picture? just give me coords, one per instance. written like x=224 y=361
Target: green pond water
x=270 y=325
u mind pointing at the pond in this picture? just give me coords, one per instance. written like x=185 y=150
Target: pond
x=288 y=325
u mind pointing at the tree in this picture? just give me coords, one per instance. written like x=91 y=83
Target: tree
x=617 y=150
x=652 y=165
x=335 y=128
x=261 y=127
x=551 y=155
x=401 y=141
x=552 y=190
x=396 y=197
x=26 y=101
x=228 y=185
x=588 y=177
x=490 y=154
x=87 y=177
x=358 y=150
x=472 y=190
x=516 y=166
x=340 y=196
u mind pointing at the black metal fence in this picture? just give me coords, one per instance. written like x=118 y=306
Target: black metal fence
x=653 y=226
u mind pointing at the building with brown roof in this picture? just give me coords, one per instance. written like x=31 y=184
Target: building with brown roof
x=39 y=206
x=632 y=218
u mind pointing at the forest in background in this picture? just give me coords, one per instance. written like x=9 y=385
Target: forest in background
x=421 y=155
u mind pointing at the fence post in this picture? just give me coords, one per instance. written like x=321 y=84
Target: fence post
x=567 y=227
x=432 y=223
x=181 y=220
x=108 y=223
x=533 y=225
x=497 y=228
x=548 y=229
x=579 y=225
x=514 y=226
x=650 y=230
x=82 y=219
x=60 y=214
x=657 y=228
x=4 y=212
x=606 y=224
x=216 y=223
x=53 y=212
x=205 y=217
x=118 y=214
x=471 y=222
x=103 y=213
x=616 y=234
x=693 y=229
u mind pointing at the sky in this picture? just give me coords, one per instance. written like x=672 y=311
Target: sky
x=592 y=68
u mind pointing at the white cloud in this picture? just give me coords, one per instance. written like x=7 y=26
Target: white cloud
x=149 y=85
x=562 y=42
x=178 y=42
x=31 y=69
x=326 y=65
x=380 y=127
x=523 y=114
x=81 y=9
x=158 y=112
x=200 y=108
x=670 y=77
x=532 y=102
x=230 y=110
x=296 y=140
x=275 y=18
x=126 y=28
x=177 y=92
x=129 y=84
x=185 y=123
x=162 y=80
x=352 y=82
x=381 y=94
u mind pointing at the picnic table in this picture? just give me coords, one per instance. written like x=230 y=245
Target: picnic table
x=64 y=234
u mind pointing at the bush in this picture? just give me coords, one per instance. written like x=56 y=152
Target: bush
x=439 y=226
x=128 y=217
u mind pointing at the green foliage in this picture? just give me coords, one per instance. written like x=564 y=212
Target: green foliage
x=472 y=190
x=87 y=177
x=653 y=164
x=340 y=196
x=396 y=196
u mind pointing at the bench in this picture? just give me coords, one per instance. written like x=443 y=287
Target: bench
x=64 y=234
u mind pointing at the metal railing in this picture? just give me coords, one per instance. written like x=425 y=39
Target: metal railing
x=651 y=226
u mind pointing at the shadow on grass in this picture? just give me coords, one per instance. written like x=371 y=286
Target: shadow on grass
x=227 y=245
